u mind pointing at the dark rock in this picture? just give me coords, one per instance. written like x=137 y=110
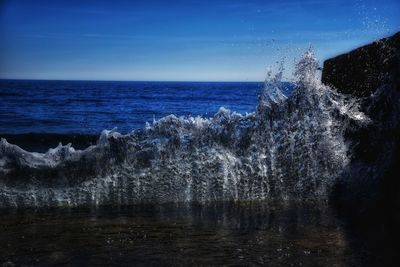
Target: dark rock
x=368 y=192
x=361 y=71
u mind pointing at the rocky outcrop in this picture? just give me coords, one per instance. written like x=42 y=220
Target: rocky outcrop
x=368 y=190
x=361 y=71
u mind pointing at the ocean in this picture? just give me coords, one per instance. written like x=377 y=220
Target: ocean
x=88 y=107
x=246 y=184
x=174 y=142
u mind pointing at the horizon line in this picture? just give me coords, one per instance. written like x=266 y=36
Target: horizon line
x=88 y=80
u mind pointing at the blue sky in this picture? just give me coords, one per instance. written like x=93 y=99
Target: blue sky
x=180 y=40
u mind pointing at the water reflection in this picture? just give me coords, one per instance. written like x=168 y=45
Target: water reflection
x=215 y=234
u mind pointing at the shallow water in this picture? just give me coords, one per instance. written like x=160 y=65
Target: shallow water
x=215 y=234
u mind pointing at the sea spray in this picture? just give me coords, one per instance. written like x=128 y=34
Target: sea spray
x=290 y=148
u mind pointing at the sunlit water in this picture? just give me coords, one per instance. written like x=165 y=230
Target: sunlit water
x=291 y=147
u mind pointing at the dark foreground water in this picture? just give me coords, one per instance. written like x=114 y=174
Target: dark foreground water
x=256 y=234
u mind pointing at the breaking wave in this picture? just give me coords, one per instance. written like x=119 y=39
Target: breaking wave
x=289 y=148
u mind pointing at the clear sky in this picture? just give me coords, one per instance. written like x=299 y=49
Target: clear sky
x=191 y=40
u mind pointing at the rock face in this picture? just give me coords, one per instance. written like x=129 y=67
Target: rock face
x=369 y=188
x=361 y=71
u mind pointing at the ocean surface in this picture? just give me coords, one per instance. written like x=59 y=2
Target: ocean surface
x=274 y=143
x=88 y=107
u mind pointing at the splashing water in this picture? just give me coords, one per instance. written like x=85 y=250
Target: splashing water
x=290 y=148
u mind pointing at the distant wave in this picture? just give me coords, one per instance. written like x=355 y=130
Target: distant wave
x=292 y=147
